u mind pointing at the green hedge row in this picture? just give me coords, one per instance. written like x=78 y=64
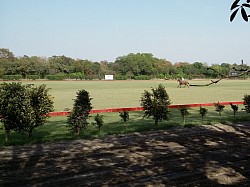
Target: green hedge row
x=12 y=77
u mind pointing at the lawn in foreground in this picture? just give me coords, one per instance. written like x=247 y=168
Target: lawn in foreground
x=56 y=128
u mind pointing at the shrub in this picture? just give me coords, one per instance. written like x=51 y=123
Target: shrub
x=59 y=76
x=23 y=107
x=33 y=77
x=235 y=108
x=184 y=112
x=156 y=104
x=203 y=112
x=42 y=104
x=77 y=120
x=247 y=103
x=219 y=108
x=99 y=121
x=125 y=117
x=12 y=77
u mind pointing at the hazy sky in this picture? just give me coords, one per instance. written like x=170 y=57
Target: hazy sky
x=177 y=30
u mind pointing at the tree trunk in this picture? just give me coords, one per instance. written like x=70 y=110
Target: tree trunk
x=156 y=122
x=30 y=132
x=6 y=136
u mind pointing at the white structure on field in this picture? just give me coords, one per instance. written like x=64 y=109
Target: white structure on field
x=109 y=77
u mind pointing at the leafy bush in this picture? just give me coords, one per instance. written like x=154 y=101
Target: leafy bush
x=120 y=77
x=23 y=107
x=77 y=120
x=156 y=104
x=59 y=76
x=184 y=112
x=33 y=77
x=247 y=103
x=99 y=121
x=42 y=104
x=235 y=108
x=125 y=117
x=219 y=107
x=77 y=76
x=142 y=77
x=203 y=112
x=12 y=77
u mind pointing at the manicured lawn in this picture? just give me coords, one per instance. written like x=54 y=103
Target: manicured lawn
x=56 y=128
x=111 y=94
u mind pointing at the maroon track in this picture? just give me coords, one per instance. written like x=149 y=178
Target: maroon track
x=66 y=113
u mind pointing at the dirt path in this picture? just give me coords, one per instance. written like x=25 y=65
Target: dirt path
x=199 y=156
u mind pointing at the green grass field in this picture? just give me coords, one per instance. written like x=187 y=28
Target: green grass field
x=112 y=94
x=56 y=128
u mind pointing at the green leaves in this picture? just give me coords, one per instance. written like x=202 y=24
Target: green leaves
x=156 y=104
x=77 y=120
x=235 y=6
x=24 y=107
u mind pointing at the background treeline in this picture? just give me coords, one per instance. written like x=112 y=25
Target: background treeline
x=132 y=66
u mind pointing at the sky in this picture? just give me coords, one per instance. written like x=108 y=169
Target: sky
x=98 y=30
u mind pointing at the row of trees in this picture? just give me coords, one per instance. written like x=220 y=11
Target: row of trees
x=131 y=66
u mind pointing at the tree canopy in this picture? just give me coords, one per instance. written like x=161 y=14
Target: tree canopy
x=130 y=66
x=237 y=6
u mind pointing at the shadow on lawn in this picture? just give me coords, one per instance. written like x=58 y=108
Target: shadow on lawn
x=198 y=156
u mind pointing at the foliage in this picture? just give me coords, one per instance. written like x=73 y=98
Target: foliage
x=235 y=7
x=77 y=120
x=41 y=104
x=156 y=104
x=12 y=77
x=139 y=66
x=99 y=121
x=219 y=107
x=125 y=117
x=203 y=112
x=247 y=103
x=33 y=77
x=184 y=113
x=23 y=107
x=59 y=76
x=235 y=108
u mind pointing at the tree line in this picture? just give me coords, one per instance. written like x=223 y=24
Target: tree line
x=132 y=66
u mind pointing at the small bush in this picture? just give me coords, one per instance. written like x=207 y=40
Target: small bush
x=56 y=77
x=99 y=121
x=156 y=104
x=77 y=120
x=12 y=77
x=33 y=77
x=203 y=112
x=219 y=107
x=247 y=103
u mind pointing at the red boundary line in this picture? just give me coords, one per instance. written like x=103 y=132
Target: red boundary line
x=66 y=113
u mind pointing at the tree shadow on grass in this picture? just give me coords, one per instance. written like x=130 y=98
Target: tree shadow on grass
x=197 y=156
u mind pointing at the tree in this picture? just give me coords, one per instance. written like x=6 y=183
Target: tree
x=23 y=107
x=125 y=117
x=77 y=120
x=203 y=112
x=99 y=121
x=247 y=103
x=219 y=107
x=156 y=104
x=236 y=6
x=41 y=104
x=184 y=113
x=235 y=108
x=15 y=107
